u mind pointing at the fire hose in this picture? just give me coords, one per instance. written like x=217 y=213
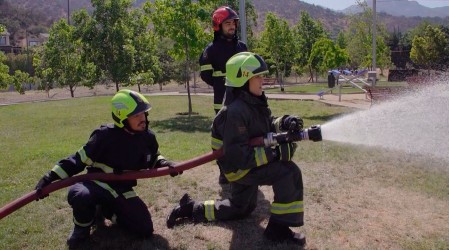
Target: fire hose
x=313 y=134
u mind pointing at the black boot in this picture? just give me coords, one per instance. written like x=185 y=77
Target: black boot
x=222 y=179
x=183 y=210
x=78 y=236
x=283 y=234
x=102 y=213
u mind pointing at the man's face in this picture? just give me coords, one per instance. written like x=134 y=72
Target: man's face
x=138 y=122
x=229 y=27
x=255 y=85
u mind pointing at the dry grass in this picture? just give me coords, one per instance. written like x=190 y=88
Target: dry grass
x=348 y=206
x=355 y=198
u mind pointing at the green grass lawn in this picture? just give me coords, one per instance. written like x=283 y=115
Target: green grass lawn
x=345 y=185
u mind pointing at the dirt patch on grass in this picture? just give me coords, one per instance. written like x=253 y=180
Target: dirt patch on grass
x=344 y=209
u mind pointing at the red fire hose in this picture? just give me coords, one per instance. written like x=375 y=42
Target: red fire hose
x=132 y=175
x=313 y=133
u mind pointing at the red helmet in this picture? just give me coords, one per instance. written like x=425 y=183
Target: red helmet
x=222 y=14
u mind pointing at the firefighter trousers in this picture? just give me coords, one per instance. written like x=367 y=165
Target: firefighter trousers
x=130 y=211
x=286 y=208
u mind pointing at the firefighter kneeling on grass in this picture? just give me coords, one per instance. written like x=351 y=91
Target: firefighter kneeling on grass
x=246 y=115
x=128 y=144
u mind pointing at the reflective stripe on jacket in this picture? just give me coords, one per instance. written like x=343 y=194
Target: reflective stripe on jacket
x=246 y=117
x=213 y=64
x=112 y=149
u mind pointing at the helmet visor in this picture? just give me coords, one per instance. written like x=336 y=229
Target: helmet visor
x=141 y=106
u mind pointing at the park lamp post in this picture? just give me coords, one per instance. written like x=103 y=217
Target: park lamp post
x=373 y=74
x=242 y=14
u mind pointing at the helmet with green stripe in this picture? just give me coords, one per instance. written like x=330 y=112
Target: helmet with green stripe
x=126 y=103
x=243 y=66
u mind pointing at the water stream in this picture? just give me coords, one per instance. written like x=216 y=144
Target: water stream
x=416 y=123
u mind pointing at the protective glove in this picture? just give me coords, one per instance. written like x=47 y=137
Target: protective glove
x=292 y=123
x=165 y=163
x=285 y=151
x=48 y=178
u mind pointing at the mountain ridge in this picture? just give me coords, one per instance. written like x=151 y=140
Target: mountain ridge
x=402 y=8
x=34 y=15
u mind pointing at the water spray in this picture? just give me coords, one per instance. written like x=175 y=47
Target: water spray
x=415 y=123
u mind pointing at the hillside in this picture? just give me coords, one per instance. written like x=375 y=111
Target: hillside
x=36 y=16
x=403 y=8
x=335 y=21
x=291 y=10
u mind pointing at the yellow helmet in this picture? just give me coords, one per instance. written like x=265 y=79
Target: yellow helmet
x=126 y=103
x=243 y=66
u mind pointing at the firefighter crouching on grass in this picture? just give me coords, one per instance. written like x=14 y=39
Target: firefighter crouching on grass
x=128 y=144
x=246 y=115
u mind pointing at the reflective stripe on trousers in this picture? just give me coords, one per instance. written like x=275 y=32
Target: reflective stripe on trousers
x=209 y=210
x=287 y=208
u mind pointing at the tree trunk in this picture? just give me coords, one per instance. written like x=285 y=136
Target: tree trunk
x=194 y=81
x=188 y=78
x=190 y=98
x=72 y=91
x=116 y=86
x=311 y=74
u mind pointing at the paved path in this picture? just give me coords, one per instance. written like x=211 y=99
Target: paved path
x=358 y=101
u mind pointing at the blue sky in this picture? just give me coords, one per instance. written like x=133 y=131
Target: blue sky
x=342 y=4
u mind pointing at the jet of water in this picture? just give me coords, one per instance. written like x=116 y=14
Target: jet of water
x=417 y=122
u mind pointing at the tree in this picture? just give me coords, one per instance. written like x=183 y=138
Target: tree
x=407 y=39
x=430 y=49
x=383 y=54
x=146 y=68
x=445 y=55
x=106 y=39
x=60 y=60
x=360 y=36
x=341 y=40
x=42 y=71
x=19 y=62
x=5 y=78
x=326 y=55
x=181 y=21
x=171 y=70
x=276 y=42
x=19 y=79
x=306 y=32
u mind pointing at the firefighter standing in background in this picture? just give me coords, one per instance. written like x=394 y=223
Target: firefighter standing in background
x=217 y=53
x=246 y=115
x=128 y=144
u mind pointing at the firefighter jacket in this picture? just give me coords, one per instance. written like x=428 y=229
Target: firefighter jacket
x=213 y=64
x=244 y=118
x=111 y=149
